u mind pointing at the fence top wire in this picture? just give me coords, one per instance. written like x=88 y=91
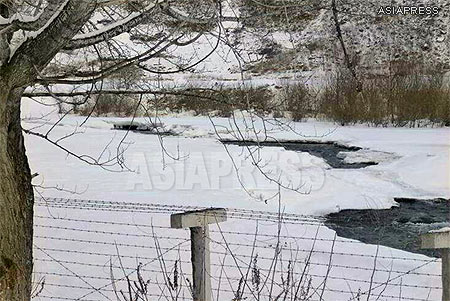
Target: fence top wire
x=140 y=225
x=164 y=208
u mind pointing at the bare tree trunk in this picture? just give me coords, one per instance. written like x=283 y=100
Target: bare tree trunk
x=16 y=202
x=347 y=59
x=16 y=192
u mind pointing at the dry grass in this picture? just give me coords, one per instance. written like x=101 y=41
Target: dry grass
x=109 y=105
x=408 y=96
x=219 y=102
x=298 y=100
x=340 y=100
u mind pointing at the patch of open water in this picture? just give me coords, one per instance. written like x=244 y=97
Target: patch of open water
x=327 y=150
x=399 y=227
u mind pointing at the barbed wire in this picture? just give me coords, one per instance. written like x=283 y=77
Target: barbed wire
x=140 y=225
x=162 y=208
x=221 y=290
x=244 y=258
x=237 y=279
x=176 y=207
x=224 y=253
x=110 y=255
x=161 y=211
x=234 y=243
x=65 y=298
x=107 y=242
x=293 y=237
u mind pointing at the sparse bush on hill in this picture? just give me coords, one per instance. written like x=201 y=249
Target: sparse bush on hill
x=298 y=100
x=415 y=98
x=110 y=104
x=340 y=100
x=408 y=96
x=221 y=101
x=375 y=105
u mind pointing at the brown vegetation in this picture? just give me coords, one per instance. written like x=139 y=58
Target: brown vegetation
x=406 y=96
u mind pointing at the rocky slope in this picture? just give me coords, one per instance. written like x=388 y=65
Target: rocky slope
x=374 y=39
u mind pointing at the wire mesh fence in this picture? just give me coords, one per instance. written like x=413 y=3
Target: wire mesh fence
x=104 y=250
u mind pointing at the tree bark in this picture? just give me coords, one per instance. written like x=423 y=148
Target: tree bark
x=16 y=191
x=16 y=201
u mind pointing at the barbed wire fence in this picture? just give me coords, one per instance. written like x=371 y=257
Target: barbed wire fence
x=103 y=250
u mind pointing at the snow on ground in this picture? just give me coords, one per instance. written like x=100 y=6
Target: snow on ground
x=366 y=156
x=412 y=163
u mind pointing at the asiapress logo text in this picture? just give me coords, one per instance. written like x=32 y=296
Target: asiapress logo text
x=409 y=10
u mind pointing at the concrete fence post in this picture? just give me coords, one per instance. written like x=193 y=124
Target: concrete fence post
x=197 y=222
x=440 y=239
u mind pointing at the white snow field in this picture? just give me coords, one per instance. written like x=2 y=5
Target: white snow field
x=78 y=241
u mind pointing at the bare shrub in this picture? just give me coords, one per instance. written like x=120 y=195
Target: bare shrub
x=251 y=98
x=221 y=102
x=297 y=99
x=199 y=101
x=125 y=78
x=374 y=103
x=409 y=95
x=417 y=98
x=113 y=104
x=110 y=105
x=341 y=100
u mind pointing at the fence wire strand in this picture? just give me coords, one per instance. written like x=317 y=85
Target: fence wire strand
x=79 y=234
